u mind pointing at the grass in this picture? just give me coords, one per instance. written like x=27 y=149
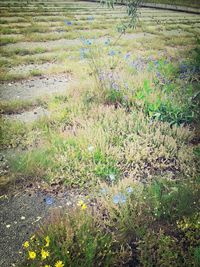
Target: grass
x=187 y=3
x=125 y=134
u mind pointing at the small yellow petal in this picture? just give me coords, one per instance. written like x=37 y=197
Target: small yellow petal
x=32 y=255
x=80 y=203
x=26 y=244
x=44 y=254
x=59 y=264
x=84 y=206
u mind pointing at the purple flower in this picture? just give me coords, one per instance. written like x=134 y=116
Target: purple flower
x=115 y=86
x=68 y=23
x=127 y=56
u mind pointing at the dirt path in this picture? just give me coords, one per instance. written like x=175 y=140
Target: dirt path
x=20 y=216
x=35 y=87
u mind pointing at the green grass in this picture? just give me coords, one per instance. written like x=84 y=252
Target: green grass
x=187 y=3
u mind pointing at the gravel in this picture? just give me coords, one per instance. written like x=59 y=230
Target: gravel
x=21 y=215
x=34 y=88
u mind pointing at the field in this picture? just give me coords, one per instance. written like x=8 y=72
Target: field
x=99 y=136
x=187 y=3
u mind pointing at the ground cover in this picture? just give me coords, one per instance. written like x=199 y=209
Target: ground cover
x=121 y=131
x=187 y=3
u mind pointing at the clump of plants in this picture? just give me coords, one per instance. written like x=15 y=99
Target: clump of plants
x=125 y=223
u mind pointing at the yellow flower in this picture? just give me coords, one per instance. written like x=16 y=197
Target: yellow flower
x=26 y=244
x=84 y=206
x=59 y=264
x=44 y=254
x=80 y=203
x=47 y=239
x=32 y=255
x=47 y=265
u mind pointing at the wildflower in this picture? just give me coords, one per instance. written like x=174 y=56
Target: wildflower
x=49 y=200
x=88 y=42
x=127 y=56
x=32 y=255
x=47 y=265
x=83 y=53
x=80 y=203
x=68 y=23
x=90 y=148
x=104 y=191
x=119 y=199
x=126 y=85
x=90 y=18
x=47 y=239
x=129 y=190
x=44 y=254
x=84 y=206
x=115 y=86
x=26 y=244
x=107 y=42
x=59 y=264
x=112 y=177
x=111 y=53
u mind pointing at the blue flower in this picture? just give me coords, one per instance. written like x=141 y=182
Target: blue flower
x=68 y=23
x=88 y=42
x=83 y=53
x=111 y=53
x=104 y=191
x=107 y=42
x=119 y=199
x=49 y=200
x=116 y=199
x=90 y=18
x=158 y=74
x=127 y=56
x=129 y=190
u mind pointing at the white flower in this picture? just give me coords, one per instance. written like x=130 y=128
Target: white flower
x=90 y=148
x=112 y=177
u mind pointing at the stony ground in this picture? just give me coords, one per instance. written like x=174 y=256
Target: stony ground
x=23 y=211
